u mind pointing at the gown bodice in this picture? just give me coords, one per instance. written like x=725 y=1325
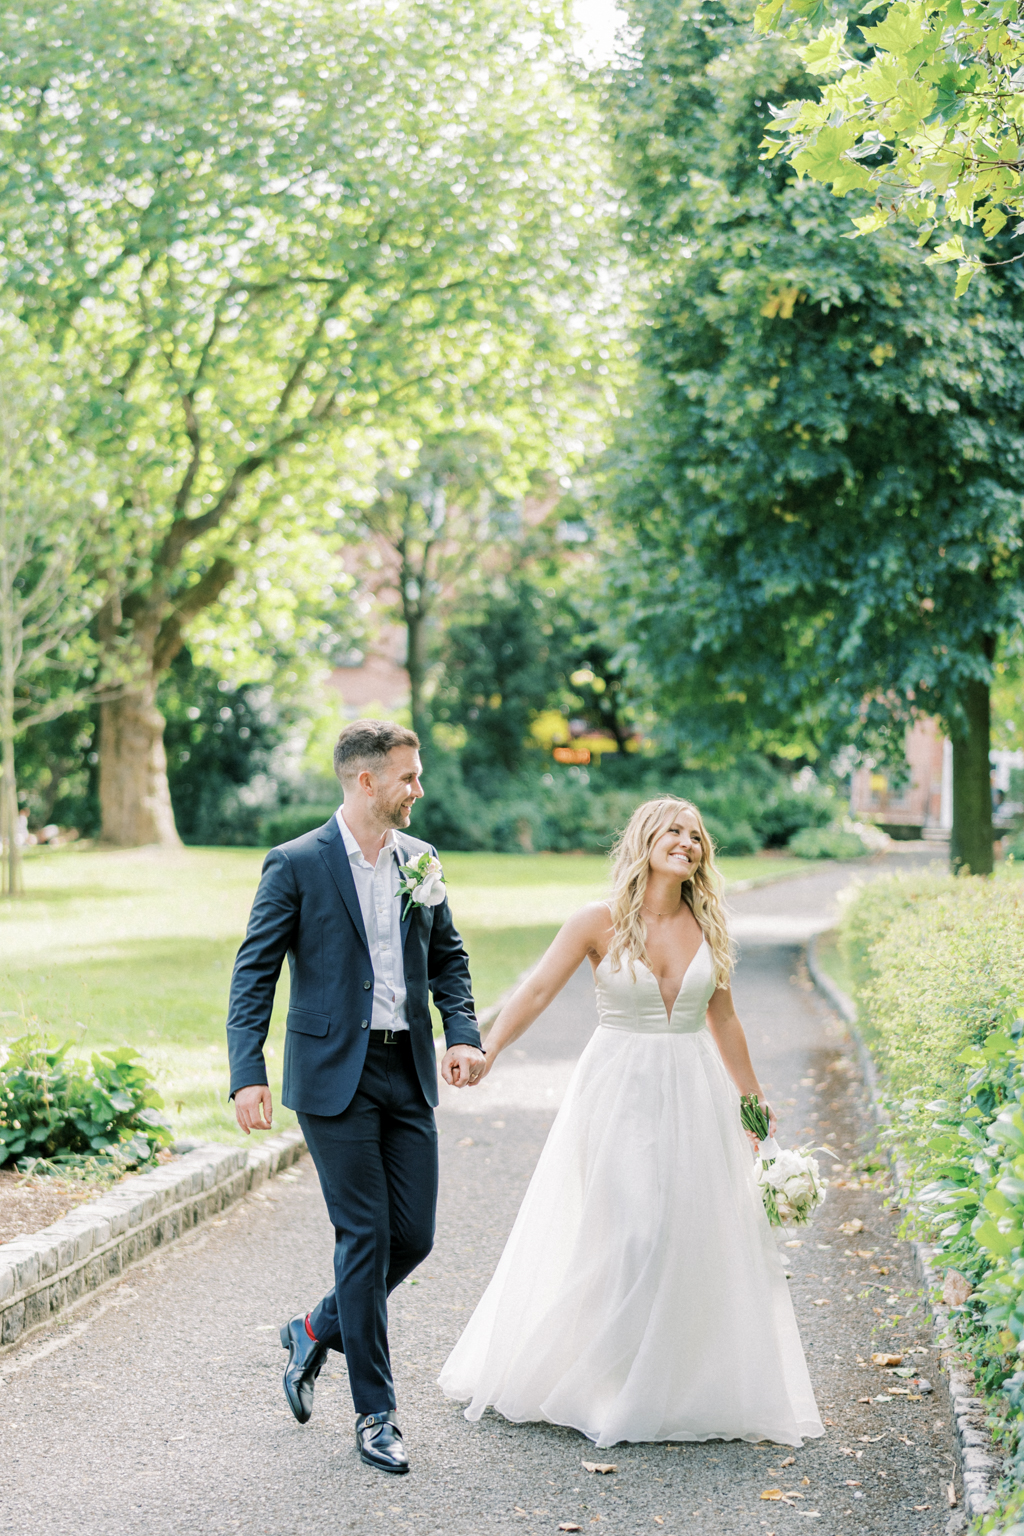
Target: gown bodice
x=639 y=1007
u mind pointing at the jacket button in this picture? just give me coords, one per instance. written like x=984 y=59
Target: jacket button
x=364 y=1023
x=367 y=985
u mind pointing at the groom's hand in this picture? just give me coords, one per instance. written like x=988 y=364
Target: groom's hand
x=462 y=1065
x=249 y=1102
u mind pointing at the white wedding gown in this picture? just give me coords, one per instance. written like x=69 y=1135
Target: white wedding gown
x=640 y=1295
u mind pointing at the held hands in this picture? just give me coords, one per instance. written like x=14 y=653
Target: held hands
x=250 y=1103
x=463 y=1066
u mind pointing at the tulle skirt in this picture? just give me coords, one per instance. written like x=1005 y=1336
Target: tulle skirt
x=640 y=1295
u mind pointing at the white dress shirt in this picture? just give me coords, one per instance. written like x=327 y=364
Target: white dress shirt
x=377 y=889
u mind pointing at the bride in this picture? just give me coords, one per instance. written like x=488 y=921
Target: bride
x=640 y=1295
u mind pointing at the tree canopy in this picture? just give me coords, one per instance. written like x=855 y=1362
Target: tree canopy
x=820 y=495
x=921 y=106
x=266 y=229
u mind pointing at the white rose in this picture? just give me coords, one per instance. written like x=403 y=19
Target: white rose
x=431 y=890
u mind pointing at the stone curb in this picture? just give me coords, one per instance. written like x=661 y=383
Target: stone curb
x=981 y=1462
x=45 y=1275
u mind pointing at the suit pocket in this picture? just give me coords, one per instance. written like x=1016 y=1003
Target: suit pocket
x=306 y=1023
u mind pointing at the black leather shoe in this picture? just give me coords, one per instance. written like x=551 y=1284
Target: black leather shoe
x=380 y=1442
x=305 y=1362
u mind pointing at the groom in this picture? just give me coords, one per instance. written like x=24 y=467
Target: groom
x=359 y=1064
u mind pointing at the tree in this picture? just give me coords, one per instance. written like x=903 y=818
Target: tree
x=267 y=229
x=57 y=555
x=525 y=646
x=926 y=112
x=433 y=517
x=822 y=509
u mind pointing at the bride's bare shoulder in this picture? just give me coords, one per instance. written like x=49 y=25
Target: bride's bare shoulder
x=592 y=925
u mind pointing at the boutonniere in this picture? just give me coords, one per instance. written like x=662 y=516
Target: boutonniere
x=422 y=884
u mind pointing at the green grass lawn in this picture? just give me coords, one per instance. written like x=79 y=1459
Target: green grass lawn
x=135 y=947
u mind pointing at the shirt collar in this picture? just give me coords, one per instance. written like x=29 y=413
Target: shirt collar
x=352 y=848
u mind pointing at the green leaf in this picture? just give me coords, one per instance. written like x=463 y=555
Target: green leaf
x=903 y=27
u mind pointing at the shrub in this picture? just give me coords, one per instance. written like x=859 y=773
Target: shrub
x=940 y=966
x=55 y=1108
x=292 y=821
x=734 y=838
x=826 y=843
x=939 y=975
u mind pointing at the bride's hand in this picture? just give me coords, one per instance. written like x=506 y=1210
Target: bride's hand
x=772 y=1125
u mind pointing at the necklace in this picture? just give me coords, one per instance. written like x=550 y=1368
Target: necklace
x=652 y=913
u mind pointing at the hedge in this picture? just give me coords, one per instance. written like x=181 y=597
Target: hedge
x=939 y=963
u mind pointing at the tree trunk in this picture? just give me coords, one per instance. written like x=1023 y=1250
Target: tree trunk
x=971 y=841
x=11 y=882
x=416 y=670
x=135 y=799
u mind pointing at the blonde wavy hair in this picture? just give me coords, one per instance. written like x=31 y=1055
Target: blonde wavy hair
x=702 y=892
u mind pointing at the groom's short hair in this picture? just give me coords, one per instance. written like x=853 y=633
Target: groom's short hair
x=366 y=744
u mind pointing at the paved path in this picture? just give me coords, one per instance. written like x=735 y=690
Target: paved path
x=160 y=1411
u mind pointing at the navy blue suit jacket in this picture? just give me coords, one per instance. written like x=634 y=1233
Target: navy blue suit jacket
x=306 y=907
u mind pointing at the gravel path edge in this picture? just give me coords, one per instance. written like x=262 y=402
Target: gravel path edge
x=981 y=1461
x=45 y=1275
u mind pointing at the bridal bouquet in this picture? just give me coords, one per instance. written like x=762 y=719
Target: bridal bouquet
x=790 y=1184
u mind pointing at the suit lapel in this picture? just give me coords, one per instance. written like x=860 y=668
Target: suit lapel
x=335 y=856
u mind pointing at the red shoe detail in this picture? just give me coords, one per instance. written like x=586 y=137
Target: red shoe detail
x=309 y=1330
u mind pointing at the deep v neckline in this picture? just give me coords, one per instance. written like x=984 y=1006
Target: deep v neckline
x=670 y=1011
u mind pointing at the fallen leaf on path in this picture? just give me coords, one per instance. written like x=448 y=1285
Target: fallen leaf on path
x=955 y=1289
x=832 y=1423
x=951 y=1495
x=850 y=1227
x=851 y=1484
x=599 y=1466
x=467 y=1141
x=886 y=1359
x=864 y=1399
x=863 y=1253
x=658 y=1519
x=772 y=1493
x=795 y=1242
x=871 y=1439
x=804 y=1482
x=790 y=1461
x=918 y=1508
x=822 y=1303
x=567 y=1525
x=518 y=1511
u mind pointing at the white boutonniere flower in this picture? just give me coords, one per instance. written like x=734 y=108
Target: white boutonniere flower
x=422 y=884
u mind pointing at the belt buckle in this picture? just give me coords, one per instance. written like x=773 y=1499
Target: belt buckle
x=389 y=1037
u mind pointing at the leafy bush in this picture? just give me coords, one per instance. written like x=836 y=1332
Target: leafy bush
x=940 y=967
x=292 y=821
x=937 y=958
x=734 y=838
x=826 y=843
x=53 y=1107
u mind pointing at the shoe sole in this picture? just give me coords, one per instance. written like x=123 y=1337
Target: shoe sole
x=380 y=1466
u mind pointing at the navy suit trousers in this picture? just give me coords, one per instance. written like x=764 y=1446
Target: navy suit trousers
x=377 y=1163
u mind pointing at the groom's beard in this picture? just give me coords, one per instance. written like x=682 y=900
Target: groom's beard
x=396 y=816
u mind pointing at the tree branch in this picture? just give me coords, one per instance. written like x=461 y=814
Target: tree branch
x=193 y=600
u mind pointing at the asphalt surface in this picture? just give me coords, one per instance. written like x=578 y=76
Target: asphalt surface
x=159 y=1409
